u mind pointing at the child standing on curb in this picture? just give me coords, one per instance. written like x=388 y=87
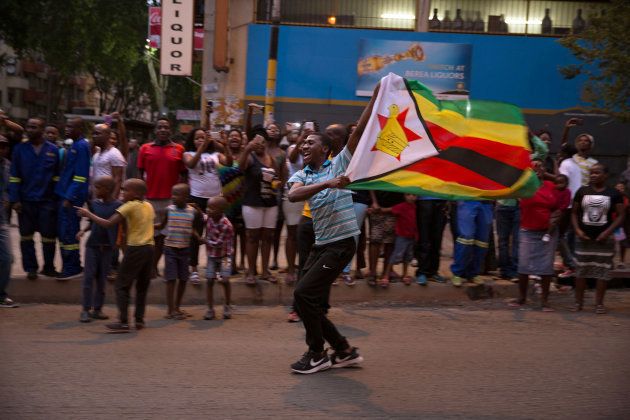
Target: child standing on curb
x=98 y=249
x=179 y=220
x=406 y=235
x=137 y=262
x=220 y=250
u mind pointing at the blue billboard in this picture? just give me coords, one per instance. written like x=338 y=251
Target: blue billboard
x=443 y=67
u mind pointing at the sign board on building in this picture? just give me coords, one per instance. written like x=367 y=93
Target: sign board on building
x=177 y=37
x=155 y=30
x=188 y=115
x=443 y=67
x=155 y=26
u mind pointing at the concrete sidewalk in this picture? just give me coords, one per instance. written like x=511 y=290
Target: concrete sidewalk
x=49 y=290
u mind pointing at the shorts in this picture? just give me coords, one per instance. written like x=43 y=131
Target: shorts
x=223 y=265
x=382 y=228
x=159 y=207
x=260 y=217
x=292 y=212
x=403 y=250
x=176 y=262
x=535 y=256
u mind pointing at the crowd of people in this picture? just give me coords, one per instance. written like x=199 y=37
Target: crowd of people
x=233 y=192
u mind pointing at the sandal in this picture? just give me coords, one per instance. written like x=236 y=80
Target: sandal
x=546 y=308
x=577 y=307
x=250 y=280
x=600 y=309
x=289 y=279
x=407 y=280
x=184 y=313
x=371 y=281
x=515 y=303
x=384 y=283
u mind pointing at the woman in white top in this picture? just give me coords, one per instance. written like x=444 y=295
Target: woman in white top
x=203 y=156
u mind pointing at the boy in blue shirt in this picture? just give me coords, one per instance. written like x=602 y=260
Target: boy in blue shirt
x=98 y=250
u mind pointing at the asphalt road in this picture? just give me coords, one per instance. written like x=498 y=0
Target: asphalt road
x=479 y=361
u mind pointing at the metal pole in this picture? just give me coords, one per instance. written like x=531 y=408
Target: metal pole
x=272 y=63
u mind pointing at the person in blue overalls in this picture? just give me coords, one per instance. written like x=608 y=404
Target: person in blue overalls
x=72 y=190
x=34 y=172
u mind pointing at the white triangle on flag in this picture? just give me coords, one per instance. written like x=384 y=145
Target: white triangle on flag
x=394 y=136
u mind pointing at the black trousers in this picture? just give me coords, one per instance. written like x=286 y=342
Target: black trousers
x=136 y=265
x=312 y=292
x=431 y=219
x=305 y=241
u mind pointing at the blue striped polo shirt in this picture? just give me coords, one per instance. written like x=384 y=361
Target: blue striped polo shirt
x=332 y=209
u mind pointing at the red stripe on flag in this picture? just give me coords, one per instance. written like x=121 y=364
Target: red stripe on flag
x=451 y=172
x=510 y=155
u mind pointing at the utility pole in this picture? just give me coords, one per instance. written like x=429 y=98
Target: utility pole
x=272 y=63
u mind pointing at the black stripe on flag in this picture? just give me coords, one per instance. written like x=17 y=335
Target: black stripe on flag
x=497 y=171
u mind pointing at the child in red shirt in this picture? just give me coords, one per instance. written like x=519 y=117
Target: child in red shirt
x=406 y=235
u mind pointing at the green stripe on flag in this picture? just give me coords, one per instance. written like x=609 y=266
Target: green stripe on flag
x=477 y=109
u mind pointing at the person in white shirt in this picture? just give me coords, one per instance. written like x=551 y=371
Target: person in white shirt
x=577 y=170
x=107 y=161
x=203 y=157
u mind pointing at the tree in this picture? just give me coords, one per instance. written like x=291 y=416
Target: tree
x=604 y=52
x=103 y=38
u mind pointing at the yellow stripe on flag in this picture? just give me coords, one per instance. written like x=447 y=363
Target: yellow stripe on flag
x=510 y=134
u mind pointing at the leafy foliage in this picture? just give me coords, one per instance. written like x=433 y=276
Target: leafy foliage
x=103 y=38
x=604 y=52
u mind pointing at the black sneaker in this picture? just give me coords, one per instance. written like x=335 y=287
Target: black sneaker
x=311 y=362
x=85 y=317
x=49 y=273
x=98 y=314
x=69 y=276
x=140 y=325
x=342 y=359
x=117 y=327
x=31 y=275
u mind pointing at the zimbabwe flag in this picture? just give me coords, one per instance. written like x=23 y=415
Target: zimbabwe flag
x=482 y=149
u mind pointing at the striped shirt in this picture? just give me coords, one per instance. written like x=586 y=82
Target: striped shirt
x=332 y=209
x=179 y=226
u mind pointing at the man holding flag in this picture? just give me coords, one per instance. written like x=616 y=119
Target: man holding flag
x=322 y=183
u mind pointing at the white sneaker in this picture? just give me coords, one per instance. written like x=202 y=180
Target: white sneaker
x=194 y=277
x=8 y=303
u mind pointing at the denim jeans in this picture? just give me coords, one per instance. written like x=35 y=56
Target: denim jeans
x=508 y=221
x=98 y=261
x=6 y=259
x=474 y=219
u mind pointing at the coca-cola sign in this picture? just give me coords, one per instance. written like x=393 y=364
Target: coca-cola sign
x=155 y=26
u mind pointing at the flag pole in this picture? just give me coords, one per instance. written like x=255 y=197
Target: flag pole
x=272 y=63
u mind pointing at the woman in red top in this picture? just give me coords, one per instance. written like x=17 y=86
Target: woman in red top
x=536 y=246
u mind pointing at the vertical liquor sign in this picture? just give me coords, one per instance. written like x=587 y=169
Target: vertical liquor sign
x=177 y=37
